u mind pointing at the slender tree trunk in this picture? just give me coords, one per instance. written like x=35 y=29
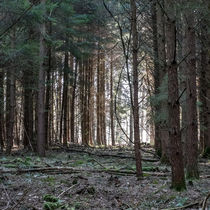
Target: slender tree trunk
x=206 y=71
x=65 y=99
x=41 y=92
x=204 y=124
x=98 y=100
x=103 y=102
x=191 y=114
x=48 y=102
x=91 y=102
x=176 y=156
x=135 y=89
x=28 y=108
x=111 y=101
x=1 y=109
x=156 y=79
x=73 y=105
x=11 y=104
x=164 y=135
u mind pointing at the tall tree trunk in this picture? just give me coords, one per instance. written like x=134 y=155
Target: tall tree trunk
x=41 y=91
x=176 y=156
x=103 y=102
x=65 y=99
x=91 y=102
x=156 y=79
x=206 y=85
x=191 y=114
x=1 y=109
x=11 y=104
x=204 y=124
x=111 y=101
x=48 y=88
x=135 y=89
x=73 y=105
x=82 y=99
x=164 y=135
x=28 y=108
x=85 y=119
x=98 y=100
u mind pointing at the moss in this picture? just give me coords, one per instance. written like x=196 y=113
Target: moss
x=51 y=206
x=164 y=160
x=91 y=190
x=179 y=186
x=50 y=198
x=206 y=153
x=75 y=181
x=159 y=153
x=51 y=202
x=50 y=179
x=150 y=168
x=192 y=175
x=146 y=174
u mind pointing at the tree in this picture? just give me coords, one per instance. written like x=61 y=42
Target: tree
x=10 y=103
x=1 y=109
x=135 y=88
x=176 y=156
x=111 y=101
x=41 y=141
x=191 y=144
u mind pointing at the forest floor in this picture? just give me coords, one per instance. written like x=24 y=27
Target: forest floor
x=82 y=178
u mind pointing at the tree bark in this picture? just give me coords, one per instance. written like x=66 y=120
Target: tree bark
x=41 y=91
x=158 y=148
x=164 y=135
x=191 y=145
x=1 y=109
x=48 y=88
x=65 y=99
x=73 y=104
x=204 y=123
x=135 y=89
x=111 y=101
x=11 y=104
x=176 y=156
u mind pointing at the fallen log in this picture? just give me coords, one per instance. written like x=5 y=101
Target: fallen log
x=109 y=155
x=69 y=170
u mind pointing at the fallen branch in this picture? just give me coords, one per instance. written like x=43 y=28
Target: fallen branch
x=109 y=155
x=21 y=199
x=69 y=170
x=205 y=202
x=99 y=153
x=184 y=207
x=65 y=191
x=99 y=163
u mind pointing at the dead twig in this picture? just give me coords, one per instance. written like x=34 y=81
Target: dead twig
x=65 y=191
x=8 y=198
x=21 y=199
x=99 y=163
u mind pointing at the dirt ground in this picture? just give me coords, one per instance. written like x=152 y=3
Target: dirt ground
x=96 y=183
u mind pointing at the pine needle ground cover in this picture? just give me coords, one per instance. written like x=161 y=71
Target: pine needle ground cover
x=78 y=180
